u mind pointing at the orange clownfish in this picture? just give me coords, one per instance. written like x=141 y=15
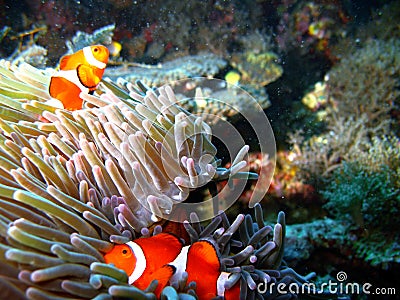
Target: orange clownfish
x=79 y=72
x=163 y=257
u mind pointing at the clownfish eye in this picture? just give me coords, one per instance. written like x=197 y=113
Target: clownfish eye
x=96 y=49
x=125 y=251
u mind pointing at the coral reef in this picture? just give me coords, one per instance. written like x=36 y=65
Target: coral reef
x=354 y=162
x=357 y=109
x=102 y=36
x=310 y=26
x=367 y=190
x=374 y=91
x=348 y=153
x=257 y=69
x=202 y=64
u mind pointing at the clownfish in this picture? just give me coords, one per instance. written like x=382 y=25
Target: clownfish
x=163 y=257
x=79 y=72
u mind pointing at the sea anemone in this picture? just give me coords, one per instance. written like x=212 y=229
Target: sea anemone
x=74 y=183
x=141 y=146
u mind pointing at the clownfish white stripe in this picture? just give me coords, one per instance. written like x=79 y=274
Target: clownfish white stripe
x=222 y=278
x=180 y=264
x=87 y=52
x=140 y=262
x=72 y=76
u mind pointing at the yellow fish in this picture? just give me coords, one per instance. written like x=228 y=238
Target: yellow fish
x=114 y=48
x=232 y=77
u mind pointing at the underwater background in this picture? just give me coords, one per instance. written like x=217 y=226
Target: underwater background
x=326 y=75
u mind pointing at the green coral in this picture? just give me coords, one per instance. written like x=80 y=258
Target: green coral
x=367 y=189
x=371 y=198
x=368 y=185
x=370 y=195
x=375 y=250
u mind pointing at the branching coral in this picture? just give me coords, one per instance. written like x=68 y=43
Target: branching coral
x=322 y=154
x=374 y=91
x=360 y=109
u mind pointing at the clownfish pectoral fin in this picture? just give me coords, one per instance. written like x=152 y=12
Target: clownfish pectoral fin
x=87 y=76
x=65 y=91
x=203 y=267
x=162 y=275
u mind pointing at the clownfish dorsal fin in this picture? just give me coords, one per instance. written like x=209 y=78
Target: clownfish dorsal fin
x=64 y=61
x=161 y=240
